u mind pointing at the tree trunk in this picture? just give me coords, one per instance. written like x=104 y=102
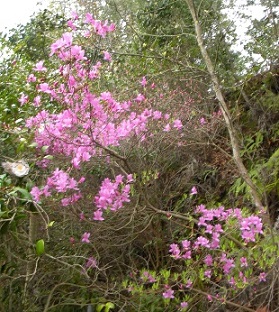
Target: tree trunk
x=224 y=109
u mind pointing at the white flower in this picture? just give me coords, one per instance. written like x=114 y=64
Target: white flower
x=19 y=168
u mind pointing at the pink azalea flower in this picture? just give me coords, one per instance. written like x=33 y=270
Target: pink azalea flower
x=201 y=241
x=57 y=45
x=45 y=191
x=85 y=238
x=149 y=277
x=40 y=66
x=177 y=124
x=168 y=294
x=189 y=284
x=81 y=216
x=143 y=82
x=140 y=98
x=23 y=99
x=74 y=15
x=88 y=18
x=37 y=101
x=67 y=39
x=77 y=53
x=70 y=200
x=111 y=27
x=130 y=178
x=215 y=243
x=193 y=191
x=250 y=226
x=202 y=121
x=36 y=193
x=119 y=179
x=232 y=281
x=107 y=56
x=187 y=255
x=31 y=78
x=98 y=215
x=81 y=180
x=262 y=277
x=44 y=87
x=248 y=236
x=167 y=128
x=71 y=25
x=91 y=263
x=186 y=244
x=243 y=277
x=175 y=251
x=218 y=228
x=209 y=228
x=207 y=273
x=110 y=196
x=184 y=304
x=228 y=265
x=157 y=115
x=208 y=260
x=243 y=262
x=201 y=209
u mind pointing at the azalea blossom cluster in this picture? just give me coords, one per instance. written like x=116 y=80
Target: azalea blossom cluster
x=210 y=223
x=112 y=195
x=212 y=255
x=249 y=227
x=87 y=122
x=148 y=277
x=59 y=182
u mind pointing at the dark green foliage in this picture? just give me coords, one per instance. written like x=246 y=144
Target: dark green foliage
x=23 y=47
x=33 y=39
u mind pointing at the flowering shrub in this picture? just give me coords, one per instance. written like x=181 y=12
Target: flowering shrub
x=89 y=126
x=224 y=251
x=86 y=126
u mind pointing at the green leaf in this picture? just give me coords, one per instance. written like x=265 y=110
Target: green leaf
x=44 y=148
x=25 y=194
x=100 y=307
x=50 y=157
x=3 y=214
x=109 y=305
x=51 y=224
x=155 y=286
x=34 y=144
x=3 y=176
x=125 y=284
x=40 y=247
